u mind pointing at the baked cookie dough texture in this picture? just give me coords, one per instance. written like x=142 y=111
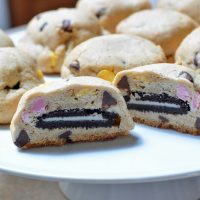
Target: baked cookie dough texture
x=105 y=56
x=18 y=74
x=5 y=41
x=50 y=35
x=110 y=12
x=162 y=95
x=163 y=27
x=188 y=53
x=72 y=110
x=189 y=7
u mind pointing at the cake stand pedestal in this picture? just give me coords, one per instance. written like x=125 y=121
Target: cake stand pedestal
x=182 y=189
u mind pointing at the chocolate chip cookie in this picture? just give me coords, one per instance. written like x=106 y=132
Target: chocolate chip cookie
x=72 y=110
x=18 y=74
x=164 y=27
x=162 y=95
x=53 y=33
x=188 y=53
x=105 y=56
x=110 y=13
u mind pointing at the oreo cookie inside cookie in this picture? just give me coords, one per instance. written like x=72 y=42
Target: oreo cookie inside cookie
x=78 y=118
x=160 y=103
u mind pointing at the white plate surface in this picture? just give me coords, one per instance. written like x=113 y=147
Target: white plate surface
x=148 y=154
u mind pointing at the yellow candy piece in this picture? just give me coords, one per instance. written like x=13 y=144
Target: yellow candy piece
x=54 y=59
x=39 y=74
x=106 y=75
x=85 y=91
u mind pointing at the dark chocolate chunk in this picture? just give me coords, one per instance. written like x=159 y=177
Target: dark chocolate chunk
x=197 y=123
x=163 y=119
x=66 y=136
x=75 y=65
x=183 y=107
x=127 y=98
x=66 y=25
x=47 y=120
x=22 y=139
x=43 y=26
x=108 y=100
x=101 y=12
x=197 y=59
x=15 y=87
x=123 y=84
x=186 y=75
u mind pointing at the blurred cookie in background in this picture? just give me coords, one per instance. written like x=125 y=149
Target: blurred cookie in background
x=5 y=40
x=111 y=12
x=163 y=27
x=189 y=7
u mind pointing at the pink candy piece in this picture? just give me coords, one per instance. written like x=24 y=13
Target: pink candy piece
x=195 y=101
x=183 y=93
x=25 y=117
x=38 y=105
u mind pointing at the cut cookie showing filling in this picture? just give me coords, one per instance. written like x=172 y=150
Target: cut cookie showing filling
x=73 y=110
x=162 y=95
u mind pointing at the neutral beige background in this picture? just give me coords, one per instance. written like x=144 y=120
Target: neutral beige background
x=15 y=188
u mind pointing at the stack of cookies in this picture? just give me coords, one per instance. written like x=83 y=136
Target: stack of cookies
x=119 y=62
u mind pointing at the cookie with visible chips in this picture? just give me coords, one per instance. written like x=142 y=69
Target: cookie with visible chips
x=72 y=110
x=105 y=56
x=18 y=74
x=50 y=35
x=162 y=95
x=188 y=53
x=110 y=12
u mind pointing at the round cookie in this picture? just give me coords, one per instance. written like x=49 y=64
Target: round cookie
x=110 y=13
x=189 y=7
x=164 y=27
x=5 y=41
x=53 y=33
x=104 y=56
x=188 y=53
x=17 y=75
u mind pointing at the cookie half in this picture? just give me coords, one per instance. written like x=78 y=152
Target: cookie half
x=188 y=53
x=163 y=27
x=109 y=13
x=188 y=7
x=105 y=56
x=73 y=110
x=162 y=95
x=18 y=74
x=5 y=40
x=53 y=33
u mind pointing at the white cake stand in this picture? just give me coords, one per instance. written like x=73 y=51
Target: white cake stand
x=151 y=164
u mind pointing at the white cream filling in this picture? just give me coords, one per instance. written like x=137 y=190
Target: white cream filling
x=96 y=117
x=152 y=103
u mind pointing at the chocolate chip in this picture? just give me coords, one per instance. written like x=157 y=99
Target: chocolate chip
x=22 y=139
x=75 y=65
x=163 y=119
x=197 y=123
x=108 y=100
x=66 y=136
x=186 y=75
x=127 y=98
x=123 y=84
x=66 y=25
x=43 y=26
x=15 y=87
x=101 y=12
